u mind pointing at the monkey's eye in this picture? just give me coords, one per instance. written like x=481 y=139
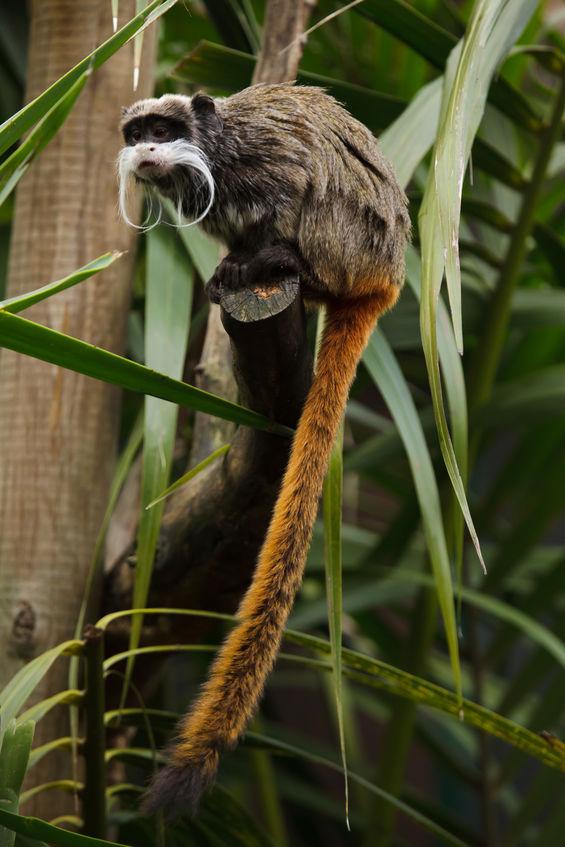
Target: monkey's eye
x=135 y=136
x=161 y=131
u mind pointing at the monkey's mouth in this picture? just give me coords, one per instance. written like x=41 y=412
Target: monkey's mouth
x=149 y=169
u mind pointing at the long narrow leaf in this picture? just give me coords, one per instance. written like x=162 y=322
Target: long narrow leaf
x=24 y=301
x=217 y=66
x=190 y=474
x=14 y=757
x=384 y=369
x=488 y=33
x=15 y=693
x=381 y=675
x=168 y=302
x=24 y=336
x=492 y=30
x=14 y=167
x=428 y=39
x=18 y=124
x=287 y=749
x=38 y=829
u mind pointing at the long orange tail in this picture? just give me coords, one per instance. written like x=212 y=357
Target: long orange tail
x=231 y=695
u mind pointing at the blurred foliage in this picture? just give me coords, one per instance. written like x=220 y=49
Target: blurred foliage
x=419 y=775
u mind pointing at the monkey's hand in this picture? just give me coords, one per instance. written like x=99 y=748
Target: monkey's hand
x=269 y=265
x=229 y=275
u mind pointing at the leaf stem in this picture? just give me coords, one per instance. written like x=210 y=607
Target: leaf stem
x=94 y=797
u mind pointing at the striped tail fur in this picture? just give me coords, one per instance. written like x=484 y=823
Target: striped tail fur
x=230 y=696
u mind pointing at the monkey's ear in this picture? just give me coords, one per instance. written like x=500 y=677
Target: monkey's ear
x=203 y=104
x=204 y=108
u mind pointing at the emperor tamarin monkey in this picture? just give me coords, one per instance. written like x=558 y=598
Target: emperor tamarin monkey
x=293 y=185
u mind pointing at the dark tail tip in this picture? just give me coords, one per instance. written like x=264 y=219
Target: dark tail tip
x=177 y=789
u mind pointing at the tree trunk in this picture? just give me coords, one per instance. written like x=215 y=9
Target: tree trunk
x=58 y=429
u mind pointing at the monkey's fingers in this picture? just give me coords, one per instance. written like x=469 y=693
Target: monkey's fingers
x=213 y=289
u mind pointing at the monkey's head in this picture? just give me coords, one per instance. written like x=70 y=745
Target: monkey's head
x=169 y=143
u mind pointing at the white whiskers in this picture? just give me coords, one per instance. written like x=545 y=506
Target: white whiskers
x=173 y=157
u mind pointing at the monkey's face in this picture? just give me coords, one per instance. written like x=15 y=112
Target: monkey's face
x=164 y=140
x=150 y=153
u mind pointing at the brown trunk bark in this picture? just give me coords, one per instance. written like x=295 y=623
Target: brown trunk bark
x=58 y=429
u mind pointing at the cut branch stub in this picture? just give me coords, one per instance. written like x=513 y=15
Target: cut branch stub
x=254 y=304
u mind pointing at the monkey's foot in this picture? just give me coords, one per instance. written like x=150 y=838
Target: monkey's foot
x=272 y=264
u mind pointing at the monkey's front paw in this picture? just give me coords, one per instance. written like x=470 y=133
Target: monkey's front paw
x=213 y=289
x=230 y=275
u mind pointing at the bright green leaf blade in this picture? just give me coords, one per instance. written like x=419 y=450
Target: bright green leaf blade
x=38 y=829
x=490 y=34
x=203 y=250
x=431 y=280
x=406 y=141
x=15 y=165
x=24 y=301
x=18 y=124
x=70 y=696
x=14 y=757
x=168 y=303
x=24 y=336
x=428 y=39
x=15 y=693
x=65 y=743
x=383 y=367
x=186 y=477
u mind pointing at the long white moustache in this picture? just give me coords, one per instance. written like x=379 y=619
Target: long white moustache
x=173 y=154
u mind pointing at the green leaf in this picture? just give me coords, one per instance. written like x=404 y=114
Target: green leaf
x=428 y=39
x=69 y=696
x=54 y=835
x=24 y=301
x=14 y=756
x=203 y=250
x=14 y=167
x=24 y=336
x=372 y=672
x=15 y=693
x=489 y=36
x=406 y=141
x=282 y=747
x=186 y=477
x=222 y=68
x=18 y=124
x=168 y=303
x=383 y=367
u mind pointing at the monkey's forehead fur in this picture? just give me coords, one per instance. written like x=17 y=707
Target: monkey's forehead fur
x=169 y=106
x=263 y=95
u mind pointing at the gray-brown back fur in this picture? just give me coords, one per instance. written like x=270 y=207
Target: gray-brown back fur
x=290 y=159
